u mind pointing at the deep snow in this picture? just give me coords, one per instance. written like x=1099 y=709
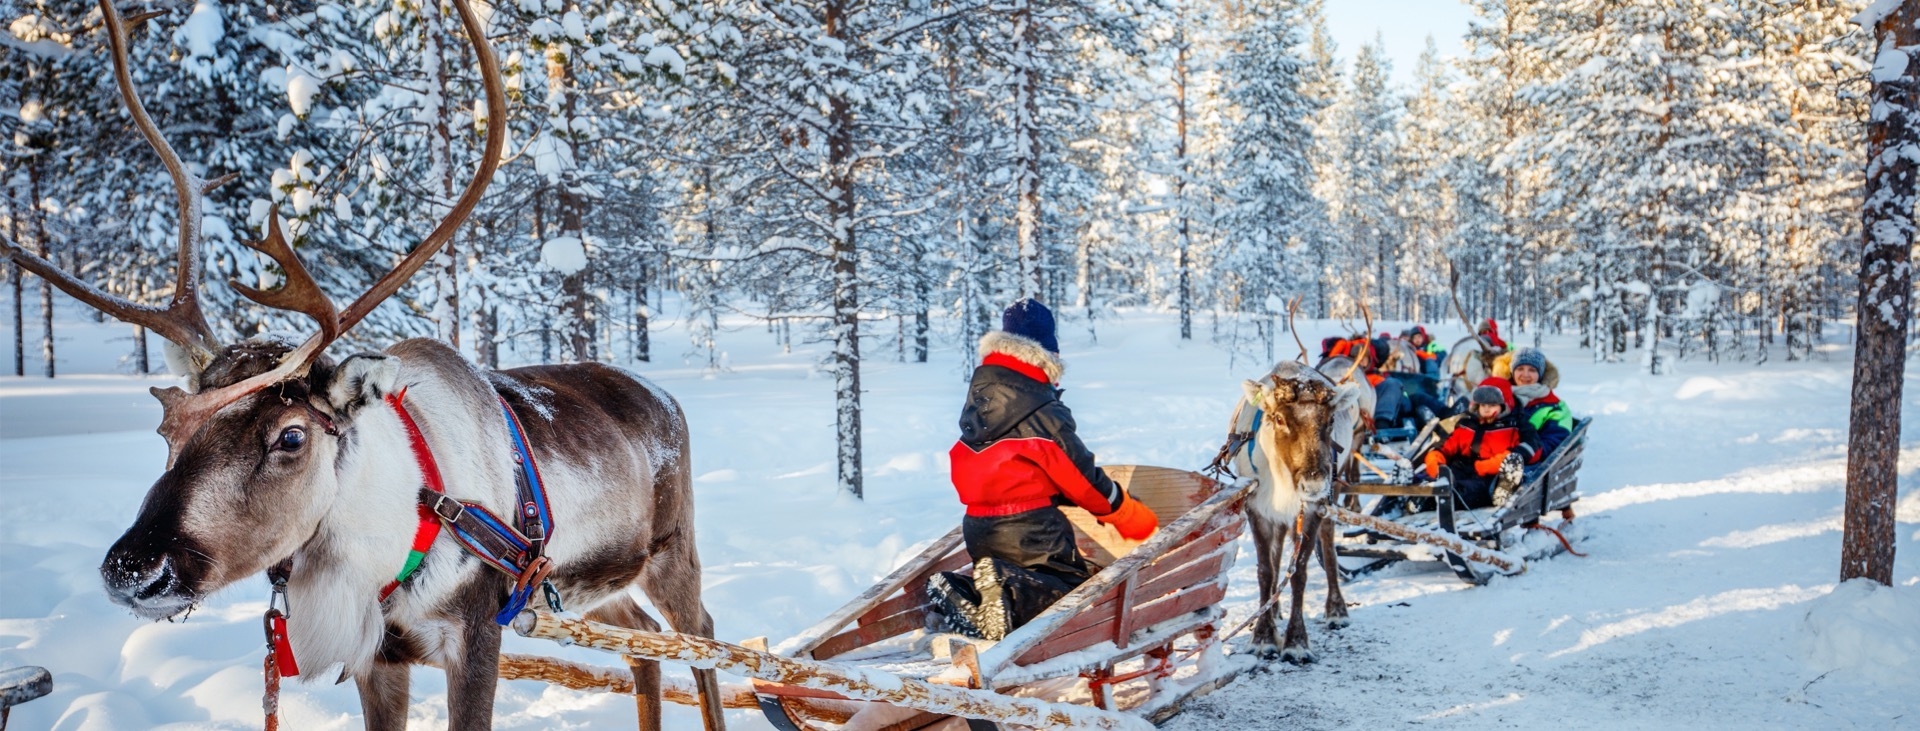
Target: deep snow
x=1712 y=513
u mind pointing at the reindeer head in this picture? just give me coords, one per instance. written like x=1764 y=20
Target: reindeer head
x=1301 y=407
x=251 y=449
x=249 y=485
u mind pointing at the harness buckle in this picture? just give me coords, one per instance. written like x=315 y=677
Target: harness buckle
x=440 y=510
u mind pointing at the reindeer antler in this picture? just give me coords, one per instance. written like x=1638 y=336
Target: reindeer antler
x=1292 y=309
x=186 y=413
x=180 y=321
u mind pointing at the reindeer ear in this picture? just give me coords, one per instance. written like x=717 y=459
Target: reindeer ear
x=359 y=380
x=1253 y=390
x=1348 y=395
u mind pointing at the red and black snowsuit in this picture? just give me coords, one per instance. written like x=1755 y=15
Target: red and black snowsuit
x=1017 y=460
x=1475 y=449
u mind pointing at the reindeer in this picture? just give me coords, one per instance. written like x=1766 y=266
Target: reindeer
x=1308 y=427
x=275 y=451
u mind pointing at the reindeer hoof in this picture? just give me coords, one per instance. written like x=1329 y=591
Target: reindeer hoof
x=1338 y=622
x=1266 y=650
x=1297 y=655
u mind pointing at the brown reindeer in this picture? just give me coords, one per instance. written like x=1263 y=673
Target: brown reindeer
x=275 y=451
x=1308 y=422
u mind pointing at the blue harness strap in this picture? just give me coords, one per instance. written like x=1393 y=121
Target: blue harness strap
x=515 y=549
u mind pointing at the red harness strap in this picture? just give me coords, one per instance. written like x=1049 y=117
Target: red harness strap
x=429 y=526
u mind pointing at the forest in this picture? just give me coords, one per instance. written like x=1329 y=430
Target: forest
x=1668 y=179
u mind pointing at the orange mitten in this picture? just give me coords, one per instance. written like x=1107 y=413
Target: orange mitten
x=1133 y=519
x=1490 y=466
x=1434 y=460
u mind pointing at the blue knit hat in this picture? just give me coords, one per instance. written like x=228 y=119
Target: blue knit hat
x=1531 y=357
x=1032 y=320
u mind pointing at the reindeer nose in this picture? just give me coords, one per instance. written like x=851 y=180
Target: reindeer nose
x=143 y=586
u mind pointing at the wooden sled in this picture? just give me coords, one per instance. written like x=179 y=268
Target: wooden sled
x=1124 y=650
x=1139 y=637
x=1549 y=489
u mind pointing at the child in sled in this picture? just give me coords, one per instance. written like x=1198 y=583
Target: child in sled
x=1018 y=459
x=1487 y=449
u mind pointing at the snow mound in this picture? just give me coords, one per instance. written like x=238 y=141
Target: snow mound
x=1867 y=630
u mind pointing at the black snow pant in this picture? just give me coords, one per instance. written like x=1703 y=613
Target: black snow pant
x=1036 y=557
x=1473 y=491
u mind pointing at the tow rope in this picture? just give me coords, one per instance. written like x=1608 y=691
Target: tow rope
x=517 y=550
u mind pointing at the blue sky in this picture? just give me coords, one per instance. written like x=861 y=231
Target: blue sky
x=1403 y=24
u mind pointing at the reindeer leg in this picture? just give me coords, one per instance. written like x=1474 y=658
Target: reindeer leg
x=1269 y=543
x=1296 y=651
x=625 y=611
x=1330 y=563
x=384 y=696
x=475 y=673
x=672 y=580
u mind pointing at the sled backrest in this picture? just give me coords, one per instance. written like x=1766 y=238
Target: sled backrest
x=1169 y=492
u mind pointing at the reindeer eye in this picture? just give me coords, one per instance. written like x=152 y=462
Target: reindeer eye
x=291 y=440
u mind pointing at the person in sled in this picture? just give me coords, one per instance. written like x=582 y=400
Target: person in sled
x=1487 y=449
x=1539 y=406
x=1018 y=460
x=1489 y=333
x=1430 y=353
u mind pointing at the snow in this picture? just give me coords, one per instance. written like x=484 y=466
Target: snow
x=566 y=254
x=1890 y=65
x=201 y=34
x=300 y=91
x=1709 y=599
x=1867 y=631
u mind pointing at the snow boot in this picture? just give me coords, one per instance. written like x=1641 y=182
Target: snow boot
x=954 y=606
x=990 y=615
x=1508 y=480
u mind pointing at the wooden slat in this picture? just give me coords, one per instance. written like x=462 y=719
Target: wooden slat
x=1147 y=615
x=906 y=692
x=1015 y=645
x=895 y=625
x=1107 y=610
x=1201 y=547
x=914 y=592
x=804 y=642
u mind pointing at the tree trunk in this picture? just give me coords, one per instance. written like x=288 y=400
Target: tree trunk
x=642 y=330
x=1180 y=183
x=920 y=323
x=1026 y=106
x=46 y=252
x=14 y=274
x=846 y=279
x=1885 y=302
x=140 y=363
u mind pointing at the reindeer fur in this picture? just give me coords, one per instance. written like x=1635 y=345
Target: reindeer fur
x=1308 y=419
x=613 y=451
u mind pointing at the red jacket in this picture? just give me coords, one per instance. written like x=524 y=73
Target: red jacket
x=1018 y=450
x=1473 y=441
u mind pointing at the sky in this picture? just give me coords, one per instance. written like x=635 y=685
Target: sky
x=1403 y=24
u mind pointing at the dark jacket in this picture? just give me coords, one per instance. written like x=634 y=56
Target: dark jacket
x=1551 y=421
x=1018 y=453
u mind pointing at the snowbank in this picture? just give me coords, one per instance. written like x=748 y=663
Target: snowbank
x=1866 y=630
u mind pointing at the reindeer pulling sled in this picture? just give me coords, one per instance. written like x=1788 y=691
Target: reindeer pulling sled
x=1124 y=650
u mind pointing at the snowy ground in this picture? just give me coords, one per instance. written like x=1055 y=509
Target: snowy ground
x=1712 y=512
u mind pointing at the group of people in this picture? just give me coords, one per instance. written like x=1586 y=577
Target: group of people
x=1513 y=421
x=1019 y=458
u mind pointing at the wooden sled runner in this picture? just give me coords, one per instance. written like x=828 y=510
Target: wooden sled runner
x=1475 y=544
x=1122 y=651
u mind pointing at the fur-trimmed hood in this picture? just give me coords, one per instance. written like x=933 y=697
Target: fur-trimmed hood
x=1026 y=350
